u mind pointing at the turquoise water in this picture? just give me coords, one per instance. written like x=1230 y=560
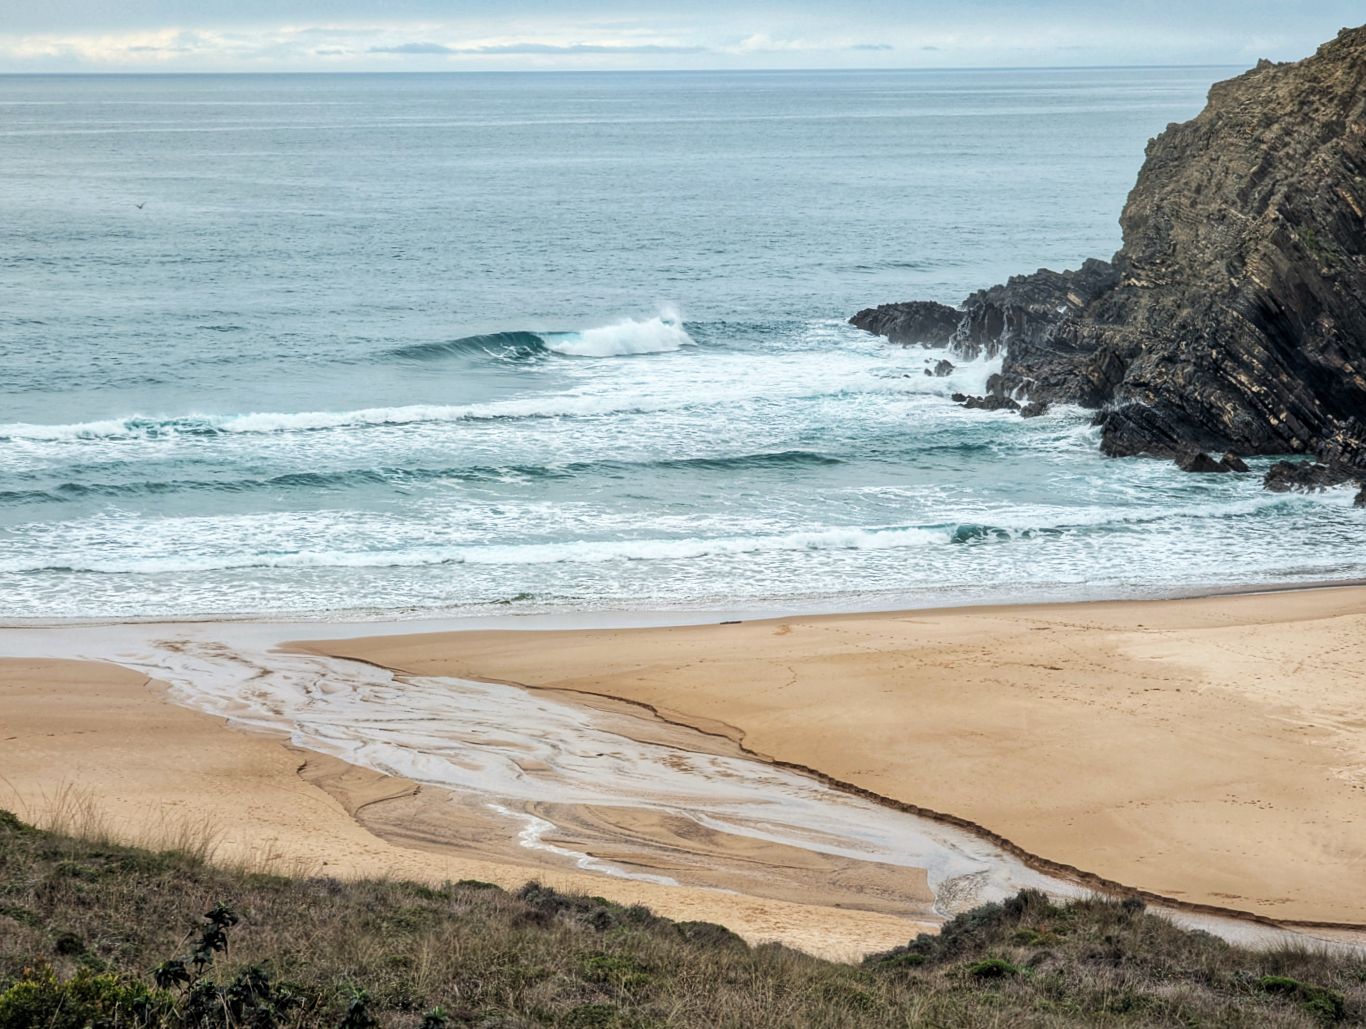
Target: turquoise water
x=455 y=342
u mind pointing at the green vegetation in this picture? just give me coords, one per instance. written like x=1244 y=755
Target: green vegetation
x=97 y=935
x=993 y=968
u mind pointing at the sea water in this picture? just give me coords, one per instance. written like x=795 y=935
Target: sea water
x=314 y=345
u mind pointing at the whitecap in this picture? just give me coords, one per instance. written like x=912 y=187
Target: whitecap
x=661 y=334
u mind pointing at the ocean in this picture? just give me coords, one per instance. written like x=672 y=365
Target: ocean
x=385 y=345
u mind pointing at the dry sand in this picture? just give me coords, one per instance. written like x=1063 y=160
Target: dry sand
x=103 y=747
x=1211 y=750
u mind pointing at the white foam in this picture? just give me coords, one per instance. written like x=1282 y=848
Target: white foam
x=661 y=334
x=578 y=551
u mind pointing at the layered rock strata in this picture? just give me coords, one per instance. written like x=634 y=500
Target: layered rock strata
x=1233 y=318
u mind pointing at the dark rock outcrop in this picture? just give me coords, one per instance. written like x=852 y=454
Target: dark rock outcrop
x=919 y=321
x=1200 y=462
x=1234 y=316
x=1305 y=476
x=990 y=402
x=943 y=368
x=1022 y=314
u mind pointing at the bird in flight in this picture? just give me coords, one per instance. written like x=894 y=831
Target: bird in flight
x=139 y=206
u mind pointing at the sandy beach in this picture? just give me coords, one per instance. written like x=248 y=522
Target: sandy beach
x=1210 y=750
x=1207 y=750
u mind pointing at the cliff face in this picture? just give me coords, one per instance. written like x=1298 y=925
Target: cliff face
x=1234 y=315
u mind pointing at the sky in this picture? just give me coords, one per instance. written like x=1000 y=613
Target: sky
x=517 y=35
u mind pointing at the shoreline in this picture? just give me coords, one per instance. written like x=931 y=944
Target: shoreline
x=655 y=617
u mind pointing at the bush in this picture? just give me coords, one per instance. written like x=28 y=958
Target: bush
x=993 y=968
x=624 y=973
x=42 y=1001
x=1323 y=1003
x=9 y=823
x=901 y=959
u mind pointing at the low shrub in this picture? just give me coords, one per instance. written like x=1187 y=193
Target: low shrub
x=993 y=968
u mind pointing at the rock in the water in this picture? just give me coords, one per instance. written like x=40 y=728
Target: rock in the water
x=1200 y=462
x=942 y=368
x=990 y=402
x=1233 y=463
x=1234 y=316
x=920 y=321
x=1305 y=476
x=1033 y=409
x=1360 y=499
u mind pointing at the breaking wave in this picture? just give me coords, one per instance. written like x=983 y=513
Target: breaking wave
x=661 y=334
x=504 y=345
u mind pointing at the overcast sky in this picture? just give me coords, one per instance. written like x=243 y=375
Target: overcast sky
x=441 y=35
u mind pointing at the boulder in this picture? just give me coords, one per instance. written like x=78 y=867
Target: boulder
x=1304 y=476
x=1197 y=461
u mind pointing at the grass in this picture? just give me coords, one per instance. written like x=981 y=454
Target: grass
x=96 y=934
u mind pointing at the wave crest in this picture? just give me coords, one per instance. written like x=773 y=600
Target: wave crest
x=661 y=334
x=658 y=335
x=403 y=476
x=506 y=346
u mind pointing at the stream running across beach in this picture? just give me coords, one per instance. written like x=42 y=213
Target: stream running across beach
x=382 y=346
x=540 y=777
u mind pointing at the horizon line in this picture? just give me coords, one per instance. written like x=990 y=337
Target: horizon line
x=621 y=71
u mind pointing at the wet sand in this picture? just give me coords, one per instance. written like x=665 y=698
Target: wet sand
x=1210 y=750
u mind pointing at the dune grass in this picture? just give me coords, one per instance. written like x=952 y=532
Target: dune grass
x=97 y=934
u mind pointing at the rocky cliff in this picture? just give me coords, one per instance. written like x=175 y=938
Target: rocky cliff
x=1233 y=318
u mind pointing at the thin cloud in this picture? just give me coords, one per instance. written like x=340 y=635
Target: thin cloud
x=537 y=48
x=333 y=32
x=762 y=43
x=582 y=48
x=413 y=48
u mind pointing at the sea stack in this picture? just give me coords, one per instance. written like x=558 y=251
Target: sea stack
x=1233 y=318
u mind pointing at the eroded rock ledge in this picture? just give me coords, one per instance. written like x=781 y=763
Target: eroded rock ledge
x=1233 y=318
